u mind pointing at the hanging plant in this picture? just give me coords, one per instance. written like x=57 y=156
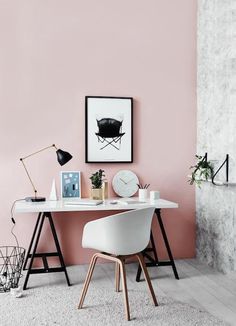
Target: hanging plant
x=202 y=171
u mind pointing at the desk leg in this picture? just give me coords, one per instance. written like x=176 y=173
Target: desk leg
x=154 y=248
x=41 y=218
x=34 y=243
x=171 y=262
x=31 y=242
x=58 y=247
x=155 y=262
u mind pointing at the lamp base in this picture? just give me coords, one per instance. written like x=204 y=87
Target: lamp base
x=35 y=199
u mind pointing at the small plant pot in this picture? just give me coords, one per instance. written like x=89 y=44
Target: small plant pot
x=97 y=193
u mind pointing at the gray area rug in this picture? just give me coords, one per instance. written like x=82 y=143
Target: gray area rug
x=57 y=305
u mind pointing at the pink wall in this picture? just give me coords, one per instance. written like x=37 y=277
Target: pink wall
x=52 y=54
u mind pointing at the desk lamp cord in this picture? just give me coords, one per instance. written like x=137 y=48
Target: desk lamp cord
x=13 y=221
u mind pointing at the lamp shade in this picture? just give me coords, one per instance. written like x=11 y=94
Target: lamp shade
x=63 y=157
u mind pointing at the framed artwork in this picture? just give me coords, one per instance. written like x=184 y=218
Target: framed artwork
x=70 y=184
x=108 y=129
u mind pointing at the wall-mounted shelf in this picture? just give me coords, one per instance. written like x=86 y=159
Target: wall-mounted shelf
x=229 y=183
x=218 y=182
x=226 y=163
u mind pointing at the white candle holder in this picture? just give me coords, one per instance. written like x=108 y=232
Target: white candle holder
x=154 y=195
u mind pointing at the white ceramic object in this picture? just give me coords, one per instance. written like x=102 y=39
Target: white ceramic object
x=154 y=195
x=16 y=292
x=53 y=193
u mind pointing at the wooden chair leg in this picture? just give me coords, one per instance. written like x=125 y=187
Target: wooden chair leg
x=87 y=280
x=117 y=277
x=147 y=278
x=123 y=275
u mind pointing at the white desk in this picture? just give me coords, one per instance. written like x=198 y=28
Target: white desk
x=59 y=206
x=45 y=210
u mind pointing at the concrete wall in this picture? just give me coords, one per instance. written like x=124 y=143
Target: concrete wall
x=216 y=128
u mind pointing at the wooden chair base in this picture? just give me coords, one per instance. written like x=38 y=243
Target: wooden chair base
x=119 y=270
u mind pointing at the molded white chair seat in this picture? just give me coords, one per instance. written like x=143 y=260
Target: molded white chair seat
x=121 y=234
x=118 y=237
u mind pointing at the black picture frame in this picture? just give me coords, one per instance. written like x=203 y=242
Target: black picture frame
x=108 y=129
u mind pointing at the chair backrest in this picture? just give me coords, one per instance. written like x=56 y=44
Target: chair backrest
x=121 y=234
x=109 y=127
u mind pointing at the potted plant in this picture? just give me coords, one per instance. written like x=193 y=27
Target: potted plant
x=203 y=170
x=97 y=182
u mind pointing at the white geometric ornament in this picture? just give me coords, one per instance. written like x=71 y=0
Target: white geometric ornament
x=53 y=193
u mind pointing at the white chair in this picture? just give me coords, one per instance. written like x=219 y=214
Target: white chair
x=118 y=237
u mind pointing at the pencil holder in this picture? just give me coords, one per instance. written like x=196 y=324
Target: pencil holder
x=142 y=194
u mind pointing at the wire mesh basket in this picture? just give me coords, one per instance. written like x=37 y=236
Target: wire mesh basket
x=11 y=261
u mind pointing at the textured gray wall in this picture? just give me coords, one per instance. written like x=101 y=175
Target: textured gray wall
x=216 y=205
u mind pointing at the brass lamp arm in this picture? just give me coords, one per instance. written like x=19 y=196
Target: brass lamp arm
x=35 y=191
x=22 y=161
x=41 y=150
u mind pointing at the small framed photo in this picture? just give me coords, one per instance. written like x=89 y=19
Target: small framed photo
x=108 y=129
x=70 y=184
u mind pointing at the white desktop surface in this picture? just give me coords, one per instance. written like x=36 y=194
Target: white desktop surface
x=59 y=206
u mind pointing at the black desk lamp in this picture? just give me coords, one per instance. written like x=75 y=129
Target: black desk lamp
x=62 y=158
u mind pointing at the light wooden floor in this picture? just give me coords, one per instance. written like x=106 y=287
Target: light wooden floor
x=199 y=285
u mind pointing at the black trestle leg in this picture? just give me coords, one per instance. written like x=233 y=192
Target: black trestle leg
x=172 y=263
x=31 y=242
x=139 y=271
x=34 y=244
x=58 y=247
x=155 y=262
x=42 y=218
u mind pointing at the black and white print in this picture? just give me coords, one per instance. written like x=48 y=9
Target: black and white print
x=109 y=129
